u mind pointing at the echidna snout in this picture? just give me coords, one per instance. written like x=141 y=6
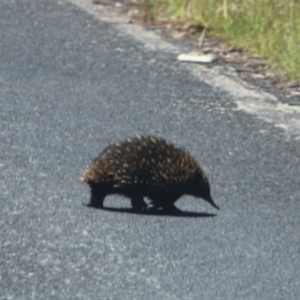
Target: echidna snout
x=211 y=201
x=203 y=190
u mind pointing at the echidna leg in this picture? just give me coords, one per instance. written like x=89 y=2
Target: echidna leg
x=167 y=204
x=155 y=202
x=170 y=208
x=138 y=203
x=97 y=198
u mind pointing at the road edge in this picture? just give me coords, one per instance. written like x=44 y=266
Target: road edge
x=247 y=97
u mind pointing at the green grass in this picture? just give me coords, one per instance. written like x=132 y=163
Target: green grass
x=270 y=28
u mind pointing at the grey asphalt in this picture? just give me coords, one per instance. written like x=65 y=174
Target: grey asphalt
x=69 y=85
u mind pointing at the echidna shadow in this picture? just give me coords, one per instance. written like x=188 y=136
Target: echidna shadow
x=146 y=166
x=161 y=213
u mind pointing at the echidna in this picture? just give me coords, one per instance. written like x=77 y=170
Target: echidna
x=146 y=166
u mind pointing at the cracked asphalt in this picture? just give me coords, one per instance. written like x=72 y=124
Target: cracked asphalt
x=71 y=84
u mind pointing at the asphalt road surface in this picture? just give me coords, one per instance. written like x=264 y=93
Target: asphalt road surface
x=69 y=85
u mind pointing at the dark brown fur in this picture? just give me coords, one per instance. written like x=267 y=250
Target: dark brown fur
x=146 y=166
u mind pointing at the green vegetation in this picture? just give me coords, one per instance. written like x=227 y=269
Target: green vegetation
x=270 y=28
